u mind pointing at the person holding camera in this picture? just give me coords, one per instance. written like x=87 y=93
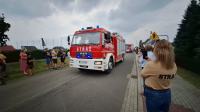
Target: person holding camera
x=158 y=75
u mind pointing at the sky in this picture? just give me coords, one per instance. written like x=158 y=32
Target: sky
x=54 y=20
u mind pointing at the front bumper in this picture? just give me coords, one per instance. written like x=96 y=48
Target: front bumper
x=88 y=64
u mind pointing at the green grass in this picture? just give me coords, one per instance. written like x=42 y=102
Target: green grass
x=189 y=76
x=13 y=69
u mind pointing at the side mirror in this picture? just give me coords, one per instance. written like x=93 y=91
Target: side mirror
x=68 y=40
x=103 y=42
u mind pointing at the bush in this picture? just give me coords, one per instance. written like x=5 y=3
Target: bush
x=14 y=55
x=38 y=54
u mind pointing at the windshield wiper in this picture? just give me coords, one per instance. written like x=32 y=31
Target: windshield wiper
x=92 y=43
x=86 y=44
x=80 y=44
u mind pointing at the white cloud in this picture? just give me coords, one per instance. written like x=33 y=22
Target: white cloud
x=163 y=21
x=132 y=18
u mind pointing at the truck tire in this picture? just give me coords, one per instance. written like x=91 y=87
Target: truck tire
x=81 y=69
x=110 y=66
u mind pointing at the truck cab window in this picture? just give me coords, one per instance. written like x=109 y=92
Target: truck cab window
x=107 y=38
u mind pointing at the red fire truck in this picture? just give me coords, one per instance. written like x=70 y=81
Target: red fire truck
x=96 y=49
x=129 y=48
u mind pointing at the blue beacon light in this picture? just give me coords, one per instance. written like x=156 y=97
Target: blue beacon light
x=89 y=56
x=78 y=55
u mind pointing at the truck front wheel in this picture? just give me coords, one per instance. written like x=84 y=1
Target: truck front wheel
x=110 y=65
x=81 y=69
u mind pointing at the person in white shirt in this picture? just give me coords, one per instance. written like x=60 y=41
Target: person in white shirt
x=142 y=61
x=150 y=54
x=140 y=57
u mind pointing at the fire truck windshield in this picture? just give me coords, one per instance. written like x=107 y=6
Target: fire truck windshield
x=86 y=38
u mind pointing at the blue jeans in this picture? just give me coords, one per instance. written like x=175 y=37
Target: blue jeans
x=48 y=60
x=157 y=101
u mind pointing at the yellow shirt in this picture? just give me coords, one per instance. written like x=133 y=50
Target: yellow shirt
x=2 y=57
x=158 y=77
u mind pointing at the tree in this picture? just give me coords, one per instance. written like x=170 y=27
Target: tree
x=187 y=41
x=4 y=27
x=197 y=37
x=188 y=29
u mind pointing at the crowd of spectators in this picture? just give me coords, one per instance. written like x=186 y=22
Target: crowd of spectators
x=52 y=56
x=54 y=59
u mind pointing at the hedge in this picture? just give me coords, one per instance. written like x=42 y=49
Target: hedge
x=191 y=64
x=14 y=55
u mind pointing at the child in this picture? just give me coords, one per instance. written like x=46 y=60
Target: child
x=30 y=64
x=62 y=58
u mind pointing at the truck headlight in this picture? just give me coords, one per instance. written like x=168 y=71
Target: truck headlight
x=98 y=62
x=71 y=61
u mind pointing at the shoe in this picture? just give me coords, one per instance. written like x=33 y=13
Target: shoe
x=25 y=73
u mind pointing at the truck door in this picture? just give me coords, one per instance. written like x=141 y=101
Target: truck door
x=107 y=40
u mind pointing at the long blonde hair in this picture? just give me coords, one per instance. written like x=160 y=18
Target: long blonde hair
x=164 y=53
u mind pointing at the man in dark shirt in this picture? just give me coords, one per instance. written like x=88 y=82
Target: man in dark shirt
x=30 y=64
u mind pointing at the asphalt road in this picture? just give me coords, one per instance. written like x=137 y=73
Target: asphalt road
x=68 y=90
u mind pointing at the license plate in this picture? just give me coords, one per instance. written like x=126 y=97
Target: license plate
x=83 y=62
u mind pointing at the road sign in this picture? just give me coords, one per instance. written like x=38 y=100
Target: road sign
x=154 y=36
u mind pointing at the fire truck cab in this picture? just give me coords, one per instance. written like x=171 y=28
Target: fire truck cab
x=129 y=48
x=96 y=49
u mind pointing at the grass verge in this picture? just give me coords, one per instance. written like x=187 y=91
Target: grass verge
x=13 y=69
x=189 y=76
